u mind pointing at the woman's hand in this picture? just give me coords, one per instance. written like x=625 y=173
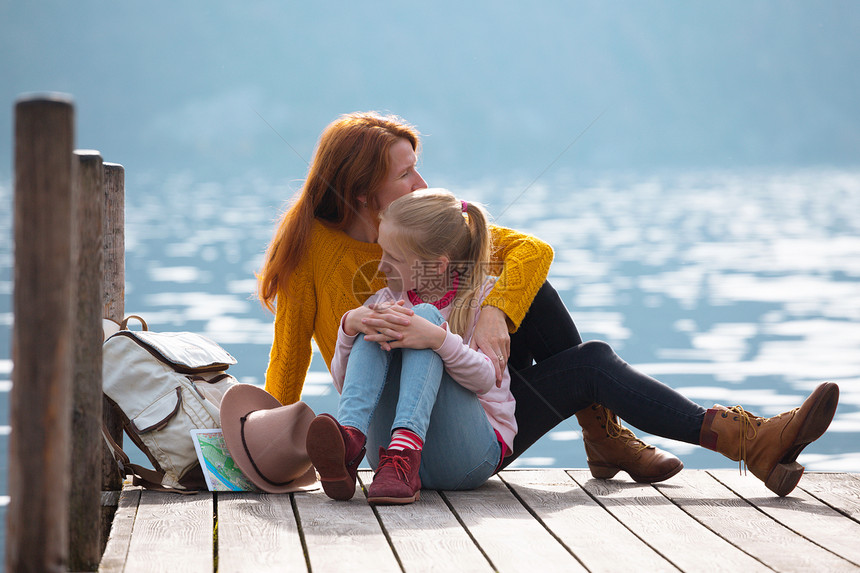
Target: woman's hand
x=492 y=338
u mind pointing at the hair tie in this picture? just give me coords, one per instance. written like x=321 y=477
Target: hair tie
x=465 y=206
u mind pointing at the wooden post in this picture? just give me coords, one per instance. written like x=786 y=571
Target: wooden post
x=114 y=241
x=114 y=297
x=39 y=453
x=85 y=530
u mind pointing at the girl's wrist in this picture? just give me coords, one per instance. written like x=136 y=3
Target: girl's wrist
x=346 y=329
x=440 y=334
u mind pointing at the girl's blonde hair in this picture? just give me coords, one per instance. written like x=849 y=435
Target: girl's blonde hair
x=432 y=223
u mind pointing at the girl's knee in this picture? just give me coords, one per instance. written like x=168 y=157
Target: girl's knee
x=428 y=311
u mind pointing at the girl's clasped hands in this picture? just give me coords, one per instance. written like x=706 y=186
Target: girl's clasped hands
x=392 y=325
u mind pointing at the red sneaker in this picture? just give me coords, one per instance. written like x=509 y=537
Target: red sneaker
x=335 y=451
x=396 y=479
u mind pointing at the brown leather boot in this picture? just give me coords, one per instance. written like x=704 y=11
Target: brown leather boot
x=610 y=448
x=770 y=446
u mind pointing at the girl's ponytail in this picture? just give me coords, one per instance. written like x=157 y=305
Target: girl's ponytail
x=475 y=261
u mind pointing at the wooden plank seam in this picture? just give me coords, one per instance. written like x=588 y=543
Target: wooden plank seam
x=785 y=525
x=301 y=531
x=537 y=518
x=709 y=528
x=215 y=531
x=616 y=518
x=466 y=529
x=844 y=512
x=382 y=526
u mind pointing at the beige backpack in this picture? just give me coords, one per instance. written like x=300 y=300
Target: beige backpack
x=165 y=384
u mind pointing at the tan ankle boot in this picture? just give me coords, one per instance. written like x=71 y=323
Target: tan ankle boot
x=770 y=446
x=610 y=448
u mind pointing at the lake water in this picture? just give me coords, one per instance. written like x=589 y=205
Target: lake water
x=732 y=287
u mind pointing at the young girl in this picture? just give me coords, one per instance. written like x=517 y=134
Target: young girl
x=429 y=403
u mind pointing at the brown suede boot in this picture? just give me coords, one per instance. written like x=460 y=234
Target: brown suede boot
x=610 y=448
x=770 y=446
x=335 y=452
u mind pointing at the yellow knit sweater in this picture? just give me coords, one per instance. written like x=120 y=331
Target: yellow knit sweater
x=339 y=273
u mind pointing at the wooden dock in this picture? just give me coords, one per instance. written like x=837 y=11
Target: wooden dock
x=522 y=520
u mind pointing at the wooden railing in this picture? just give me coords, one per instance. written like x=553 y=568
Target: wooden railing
x=69 y=274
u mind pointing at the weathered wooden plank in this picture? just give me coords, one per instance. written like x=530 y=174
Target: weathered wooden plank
x=119 y=540
x=172 y=532
x=598 y=540
x=343 y=535
x=110 y=498
x=744 y=526
x=662 y=525
x=258 y=532
x=427 y=536
x=109 y=502
x=511 y=538
x=800 y=512
x=840 y=491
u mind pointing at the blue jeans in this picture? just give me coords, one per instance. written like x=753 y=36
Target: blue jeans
x=408 y=388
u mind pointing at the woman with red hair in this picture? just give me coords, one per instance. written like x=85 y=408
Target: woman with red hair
x=323 y=261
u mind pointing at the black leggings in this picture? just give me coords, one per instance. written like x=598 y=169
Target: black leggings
x=554 y=375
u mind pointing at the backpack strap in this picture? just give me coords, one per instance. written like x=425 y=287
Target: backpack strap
x=145 y=477
x=151 y=479
x=124 y=325
x=119 y=456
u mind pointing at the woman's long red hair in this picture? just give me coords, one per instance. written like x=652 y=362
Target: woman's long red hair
x=351 y=159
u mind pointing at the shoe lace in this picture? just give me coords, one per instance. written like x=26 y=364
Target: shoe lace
x=749 y=422
x=747 y=426
x=616 y=431
x=400 y=464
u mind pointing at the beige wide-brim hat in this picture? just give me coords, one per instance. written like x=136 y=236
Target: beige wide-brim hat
x=267 y=440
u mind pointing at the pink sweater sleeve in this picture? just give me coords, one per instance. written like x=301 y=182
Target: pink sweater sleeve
x=342 y=348
x=471 y=369
x=344 y=342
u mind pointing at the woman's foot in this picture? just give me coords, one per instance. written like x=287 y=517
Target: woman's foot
x=769 y=446
x=610 y=448
x=396 y=479
x=335 y=452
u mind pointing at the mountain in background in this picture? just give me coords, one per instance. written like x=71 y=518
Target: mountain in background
x=240 y=89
